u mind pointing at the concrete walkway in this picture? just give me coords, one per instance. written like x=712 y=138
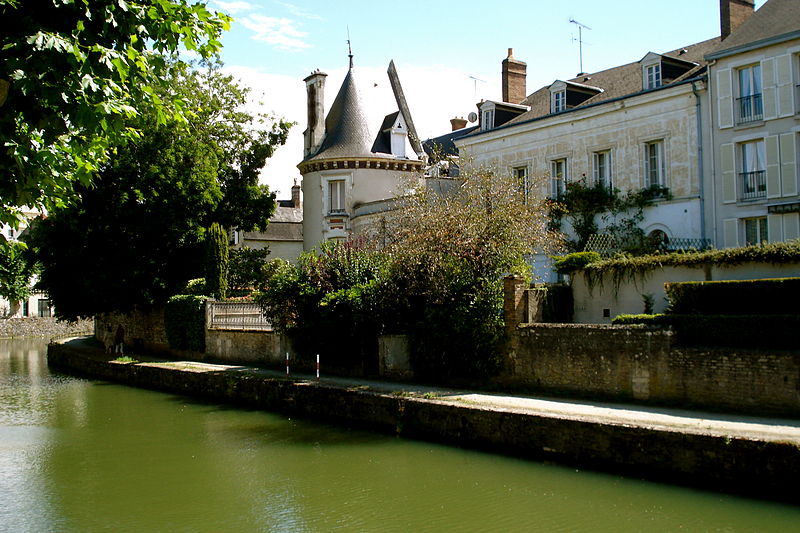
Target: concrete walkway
x=647 y=417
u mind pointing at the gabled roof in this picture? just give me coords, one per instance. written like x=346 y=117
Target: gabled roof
x=617 y=82
x=775 y=19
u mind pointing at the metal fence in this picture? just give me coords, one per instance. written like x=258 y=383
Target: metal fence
x=237 y=315
x=607 y=245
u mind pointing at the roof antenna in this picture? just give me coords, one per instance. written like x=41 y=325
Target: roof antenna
x=580 y=40
x=349 y=49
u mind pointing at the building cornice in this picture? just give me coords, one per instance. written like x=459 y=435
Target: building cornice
x=747 y=47
x=353 y=163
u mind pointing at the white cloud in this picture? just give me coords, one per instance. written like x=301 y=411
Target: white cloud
x=279 y=32
x=232 y=8
x=298 y=11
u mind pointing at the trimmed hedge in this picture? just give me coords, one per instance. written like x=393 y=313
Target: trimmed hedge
x=185 y=322
x=740 y=331
x=567 y=264
x=778 y=296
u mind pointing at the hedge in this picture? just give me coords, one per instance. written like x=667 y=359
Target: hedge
x=185 y=322
x=742 y=331
x=778 y=296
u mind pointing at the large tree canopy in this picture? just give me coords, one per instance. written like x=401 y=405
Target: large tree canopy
x=136 y=236
x=72 y=74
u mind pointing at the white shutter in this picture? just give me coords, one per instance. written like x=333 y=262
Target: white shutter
x=775 y=228
x=785 y=87
x=769 y=88
x=791 y=226
x=730 y=233
x=725 y=98
x=728 y=167
x=773 y=167
x=788 y=147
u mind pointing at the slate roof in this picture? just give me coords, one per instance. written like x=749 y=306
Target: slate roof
x=619 y=81
x=773 y=19
x=444 y=144
x=347 y=131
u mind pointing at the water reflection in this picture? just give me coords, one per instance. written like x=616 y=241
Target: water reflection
x=84 y=456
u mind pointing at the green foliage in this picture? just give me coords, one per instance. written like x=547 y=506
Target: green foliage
x=138 y=233
x=16 y=271
x=778 y=296
x=622 y=268
x=73 y=73
x=247 y=267
x=216 y=263
x=185 y=322
x=196 y=287
x=569 y=263
x=558 y=304
x=742 y=331
x=620 y=214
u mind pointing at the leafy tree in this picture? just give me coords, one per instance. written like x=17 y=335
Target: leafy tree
x=72 y=75
x=247 y=267
x=217 y=262
x=136 y=236
x=16 y=271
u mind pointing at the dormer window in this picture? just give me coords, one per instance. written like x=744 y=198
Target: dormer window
x=653 y=76
x=487 y=116
x=495 y=114
x=559 y=101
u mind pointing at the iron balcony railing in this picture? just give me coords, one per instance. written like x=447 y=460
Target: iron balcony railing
x=749 y=108
x=754 y=185
x=237 y=315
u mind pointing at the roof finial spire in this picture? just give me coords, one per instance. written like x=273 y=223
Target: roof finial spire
x=349 y=49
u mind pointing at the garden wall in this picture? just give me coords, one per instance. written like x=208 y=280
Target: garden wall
x=639 y=363
x=603 y=301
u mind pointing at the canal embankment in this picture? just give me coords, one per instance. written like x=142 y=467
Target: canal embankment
x=755 y=456
x=45 y=327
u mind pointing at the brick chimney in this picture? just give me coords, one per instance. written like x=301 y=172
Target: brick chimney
x=458 y=122
x=732 y=13
x=296 y=195
x=514 y=72
x=315 y=89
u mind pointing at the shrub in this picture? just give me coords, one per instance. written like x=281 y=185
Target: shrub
x=246 y=267
x=196 y=287
x=569 y=263
x=217 y=262
x=750 y=297
x=185 y=322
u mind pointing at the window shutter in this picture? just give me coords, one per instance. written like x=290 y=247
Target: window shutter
x=788 y=151
x=725 y=98
x=773 y=167
x=785 y=89
x=730 y=236
x=728 y=173
x=769 y=88
x=774 y=228
x=791 y=226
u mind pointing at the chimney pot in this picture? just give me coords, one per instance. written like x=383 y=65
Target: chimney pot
x=296 y=195
x=457 y=123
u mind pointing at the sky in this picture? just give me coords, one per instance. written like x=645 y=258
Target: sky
x=448 y=54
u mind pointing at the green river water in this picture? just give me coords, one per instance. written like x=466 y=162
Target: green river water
x=87 y=456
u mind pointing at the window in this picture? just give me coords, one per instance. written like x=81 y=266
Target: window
x=748 y=106
x=558 y=177
x=487 y=119
x=755 y=230
x=520 y=175
x=653 y=76
x=559 y=101
x=336 y=196
x=753 y=176
x=601 y=168
x=654 y=164
x=45 y=308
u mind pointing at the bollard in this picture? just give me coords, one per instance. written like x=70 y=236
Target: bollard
x=317 y=368
x=287 y=364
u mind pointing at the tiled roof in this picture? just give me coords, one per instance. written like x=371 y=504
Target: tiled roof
x=776 y=17
x=618 y=81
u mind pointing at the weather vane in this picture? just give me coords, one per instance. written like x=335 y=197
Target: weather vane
x=349 y=48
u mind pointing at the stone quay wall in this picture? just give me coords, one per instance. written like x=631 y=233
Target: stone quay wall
x=767 y=469
x=639 y=363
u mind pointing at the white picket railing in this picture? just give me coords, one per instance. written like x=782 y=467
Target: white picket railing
x=237 y=315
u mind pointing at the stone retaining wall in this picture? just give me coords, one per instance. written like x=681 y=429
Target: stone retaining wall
x=761 y=468
x=639 y=363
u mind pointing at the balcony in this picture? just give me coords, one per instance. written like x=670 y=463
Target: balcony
x=754 y=185
x=749 y=109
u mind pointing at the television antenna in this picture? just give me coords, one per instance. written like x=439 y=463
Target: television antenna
x=475 y=86
x=580 y=38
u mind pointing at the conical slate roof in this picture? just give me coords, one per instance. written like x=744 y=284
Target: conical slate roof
x=347 y=132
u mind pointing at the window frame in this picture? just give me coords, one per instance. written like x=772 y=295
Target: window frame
x=559 y=101
x=521 y=178
x=752 y=165
x=558 y=184
x=749 y=94
x=341 y=197
x=653 y=79
x=659 y=170
x=606 y=177
x=760 y=227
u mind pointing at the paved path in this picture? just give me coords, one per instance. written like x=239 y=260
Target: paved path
x=662 y=418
